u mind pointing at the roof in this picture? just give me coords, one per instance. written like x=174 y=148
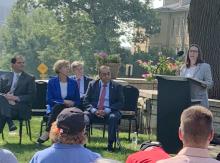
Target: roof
x=173 y=8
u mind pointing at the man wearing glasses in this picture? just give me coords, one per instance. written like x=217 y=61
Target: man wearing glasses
x=17 y=90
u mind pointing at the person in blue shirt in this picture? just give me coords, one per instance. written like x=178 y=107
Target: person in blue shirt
x=62 y=92
x=68 y=137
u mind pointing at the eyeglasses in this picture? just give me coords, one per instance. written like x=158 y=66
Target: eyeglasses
x=20 y=62
x=193 y=51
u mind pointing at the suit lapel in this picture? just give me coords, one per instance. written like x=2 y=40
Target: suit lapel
x=10 y=78
x=57 y=86
x=20 y=79
x=111 y=87
x=197 y=69
x=85 y=83
x=98 y=88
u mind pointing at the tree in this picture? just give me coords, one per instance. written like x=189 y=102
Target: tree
x=38 y=36
x=106 y=16
x=204 y=29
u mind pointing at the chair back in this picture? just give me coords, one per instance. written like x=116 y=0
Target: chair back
x=39 y=103
x=131 y=95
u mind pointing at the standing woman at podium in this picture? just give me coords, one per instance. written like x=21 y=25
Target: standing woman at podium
x=195 y=68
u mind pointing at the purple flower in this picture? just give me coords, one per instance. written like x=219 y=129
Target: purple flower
x=103 y=54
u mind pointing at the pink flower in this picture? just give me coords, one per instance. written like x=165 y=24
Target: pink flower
x=146 y=75
x=139 y=61
x=103 y=54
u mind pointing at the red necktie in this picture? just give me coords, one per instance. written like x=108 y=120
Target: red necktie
x=102 y=97
x=78 y=83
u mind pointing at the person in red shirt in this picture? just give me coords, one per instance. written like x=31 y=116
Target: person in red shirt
x=149 y=153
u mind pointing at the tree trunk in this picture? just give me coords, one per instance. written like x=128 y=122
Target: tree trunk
x=204 y=29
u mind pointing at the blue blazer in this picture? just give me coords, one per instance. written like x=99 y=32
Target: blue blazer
x=54 y=92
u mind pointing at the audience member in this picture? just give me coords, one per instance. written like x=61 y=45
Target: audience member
x=7 y=156
x=17 y=90
x=150 y=152
x=82 y=80
x=68 y=137
x=196 y=132
x=62 y=92
x=104 y=99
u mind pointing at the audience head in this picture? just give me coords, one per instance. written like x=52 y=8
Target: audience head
x=61 y=67
x=77 y=68
x=69 y=127
x=17 y=63
x=194 y=55
x=196 y=129
x=105 y=74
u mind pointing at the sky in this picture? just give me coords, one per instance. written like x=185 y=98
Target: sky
x=157 y=3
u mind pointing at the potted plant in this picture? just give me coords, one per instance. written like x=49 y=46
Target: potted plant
x=164 y=66
x=111 y=60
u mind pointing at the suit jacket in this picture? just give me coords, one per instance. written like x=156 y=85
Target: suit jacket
x=116 y=98
x=202 y=73
x=54 y=92
x=25 y=90
x=86 y=81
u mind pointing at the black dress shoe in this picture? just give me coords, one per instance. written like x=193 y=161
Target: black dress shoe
x=44 y=137
x=110 y=148
x=12 y=128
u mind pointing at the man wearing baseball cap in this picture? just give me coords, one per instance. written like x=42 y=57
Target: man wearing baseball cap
x=68 y=137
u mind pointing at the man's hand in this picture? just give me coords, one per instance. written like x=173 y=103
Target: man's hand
x=100 y=113
x=11 y=97
x=68 y=103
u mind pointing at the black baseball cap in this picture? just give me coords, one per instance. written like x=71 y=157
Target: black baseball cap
x=71 y=120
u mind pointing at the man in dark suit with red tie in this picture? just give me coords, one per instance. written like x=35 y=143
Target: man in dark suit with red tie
x=103 y=99
x=17 y=90
x=81 y=79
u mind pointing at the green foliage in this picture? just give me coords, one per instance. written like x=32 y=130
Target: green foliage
x=164 y=66
x=103 y=58
x=105 y=16
x=47 y=30
x=38 y=36
x=150 y=61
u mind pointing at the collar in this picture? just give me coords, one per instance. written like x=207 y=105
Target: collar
x=82 y=77
x=194 y=152
x=101 y=83
x=19 y=74
x=66 y=146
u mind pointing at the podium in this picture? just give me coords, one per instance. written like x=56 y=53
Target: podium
x=174 y=95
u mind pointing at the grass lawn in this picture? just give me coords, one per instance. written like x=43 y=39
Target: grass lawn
x=26 y=150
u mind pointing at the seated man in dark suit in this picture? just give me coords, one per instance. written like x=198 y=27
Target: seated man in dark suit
x=81 y=79
x=104 y=99
x=17 y=90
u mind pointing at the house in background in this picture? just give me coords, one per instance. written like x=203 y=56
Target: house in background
x=174 y=29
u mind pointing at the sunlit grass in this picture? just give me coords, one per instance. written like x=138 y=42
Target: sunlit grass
x=26 y=150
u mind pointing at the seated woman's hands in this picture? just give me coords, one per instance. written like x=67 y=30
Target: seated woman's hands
x=68 y=103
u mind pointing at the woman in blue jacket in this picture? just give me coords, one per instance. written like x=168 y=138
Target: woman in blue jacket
x=62 y=92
